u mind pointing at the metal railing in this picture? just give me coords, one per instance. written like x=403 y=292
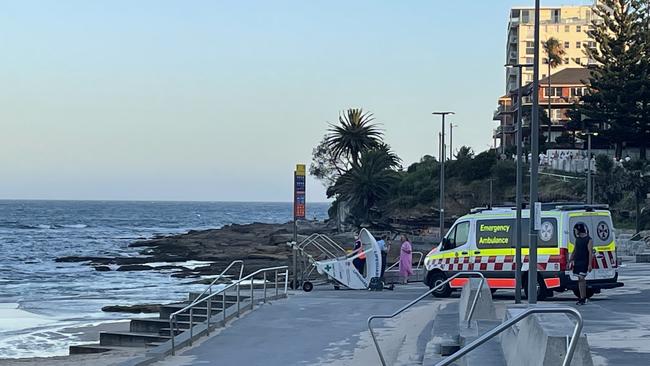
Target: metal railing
x=220 y=276
x=322 y=243
x=420 y=256
x=505 y=325
x=407 y=306
x=173 y=318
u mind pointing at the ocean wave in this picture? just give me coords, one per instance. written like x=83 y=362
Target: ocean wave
x=42 y=226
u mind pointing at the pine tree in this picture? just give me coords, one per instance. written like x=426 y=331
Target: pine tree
x=641 y=84
x=610 y=106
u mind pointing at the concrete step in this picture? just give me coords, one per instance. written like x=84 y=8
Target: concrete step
x=96 y=348
x=167 y=310
x=153 y=325
x=128 y=339
x=488 y=354
x=197 y=318
x=166 y=332
x=194 y=295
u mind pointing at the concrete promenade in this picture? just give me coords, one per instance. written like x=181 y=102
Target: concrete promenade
x=328 y=327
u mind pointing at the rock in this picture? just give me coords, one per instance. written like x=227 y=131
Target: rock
x=134 y=309
x=134 y=267
x=102 y=268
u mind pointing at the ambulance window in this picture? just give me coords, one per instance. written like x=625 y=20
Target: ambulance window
x=462 y=233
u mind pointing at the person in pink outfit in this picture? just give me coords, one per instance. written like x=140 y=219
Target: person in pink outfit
x=405 y=259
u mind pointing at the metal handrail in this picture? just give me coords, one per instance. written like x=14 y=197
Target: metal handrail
x=407 y=306
x=420 y=256
x=505 y=325
x=173 y=318
x=241 y=272
x=313 y=239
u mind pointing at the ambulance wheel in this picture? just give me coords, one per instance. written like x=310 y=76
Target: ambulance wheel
x=590 y=293
x=542 y=291
x=307 y=286
x=436 y=278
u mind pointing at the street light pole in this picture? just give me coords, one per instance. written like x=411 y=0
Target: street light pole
x=519 y=185
x=590 y=193
x=532 y=250
x=442 y=172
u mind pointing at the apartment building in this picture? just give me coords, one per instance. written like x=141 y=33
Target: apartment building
x=568 y=24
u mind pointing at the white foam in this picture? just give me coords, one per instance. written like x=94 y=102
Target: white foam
x=186 y=264
x=12 y=318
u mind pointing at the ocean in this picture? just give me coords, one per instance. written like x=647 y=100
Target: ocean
x=40 y=298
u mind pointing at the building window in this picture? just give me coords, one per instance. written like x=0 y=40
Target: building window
x=525 y=17
x=530 y=60
x=567 y=44
x=530 y=48
x=576 y=92
x=555 y=16
x=578 y=44
x=578 y=28
x=545 y=61
x=567 y=28
x=566 y=60
x=577 y=60
x=555 y=92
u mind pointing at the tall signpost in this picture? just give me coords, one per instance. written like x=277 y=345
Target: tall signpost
x=534 y=142
x=299 y=178
x=519 y=187
x=442 y=172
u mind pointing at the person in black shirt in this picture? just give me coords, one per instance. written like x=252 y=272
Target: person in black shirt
x=581 y=259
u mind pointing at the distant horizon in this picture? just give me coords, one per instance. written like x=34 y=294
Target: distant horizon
x=153 y=201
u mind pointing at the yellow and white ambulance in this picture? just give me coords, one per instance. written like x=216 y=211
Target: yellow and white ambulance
x=484 y=241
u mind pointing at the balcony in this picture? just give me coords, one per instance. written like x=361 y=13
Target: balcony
x=501 y=110
x=507 y=129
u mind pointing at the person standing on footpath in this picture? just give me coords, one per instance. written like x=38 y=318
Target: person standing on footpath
x=581 y=259
x=405 y=259
x=384 y=247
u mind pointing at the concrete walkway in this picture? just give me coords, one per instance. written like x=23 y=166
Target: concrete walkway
x=328 y=327
x=324 y=327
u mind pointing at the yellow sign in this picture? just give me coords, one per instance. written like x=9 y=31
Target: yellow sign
x=300 y=169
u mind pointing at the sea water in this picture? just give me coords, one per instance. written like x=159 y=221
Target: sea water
x=39 y=297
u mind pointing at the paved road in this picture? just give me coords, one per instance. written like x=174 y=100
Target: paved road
x=323 y=327
x=327 y=327
x=617 y=321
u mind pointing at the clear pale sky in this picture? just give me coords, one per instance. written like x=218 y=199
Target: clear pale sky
x=217 y=100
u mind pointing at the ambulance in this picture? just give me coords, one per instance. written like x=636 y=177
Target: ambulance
x=484 y=241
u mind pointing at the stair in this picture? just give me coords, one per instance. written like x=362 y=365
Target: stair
x=129 y=339
x=149 y=333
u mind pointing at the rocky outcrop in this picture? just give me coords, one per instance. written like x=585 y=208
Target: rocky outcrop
x=133 y=309
x=260 y=245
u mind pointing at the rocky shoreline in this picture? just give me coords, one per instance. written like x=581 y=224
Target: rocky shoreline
x=258 y=244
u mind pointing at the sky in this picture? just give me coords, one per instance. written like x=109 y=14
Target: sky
x=218 y=100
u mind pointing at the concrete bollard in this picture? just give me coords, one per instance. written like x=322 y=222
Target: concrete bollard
x=484 y=307
x=643 y=257
x=542 y=340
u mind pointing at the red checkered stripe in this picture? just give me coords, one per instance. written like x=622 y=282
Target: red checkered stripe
x=495 y=263
x=605 y=260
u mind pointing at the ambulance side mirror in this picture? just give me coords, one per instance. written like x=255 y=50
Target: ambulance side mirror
x=446 y=244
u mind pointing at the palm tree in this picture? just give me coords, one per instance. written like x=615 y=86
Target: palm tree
x=354 y=134
x=554 y=53
x=368 y=181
